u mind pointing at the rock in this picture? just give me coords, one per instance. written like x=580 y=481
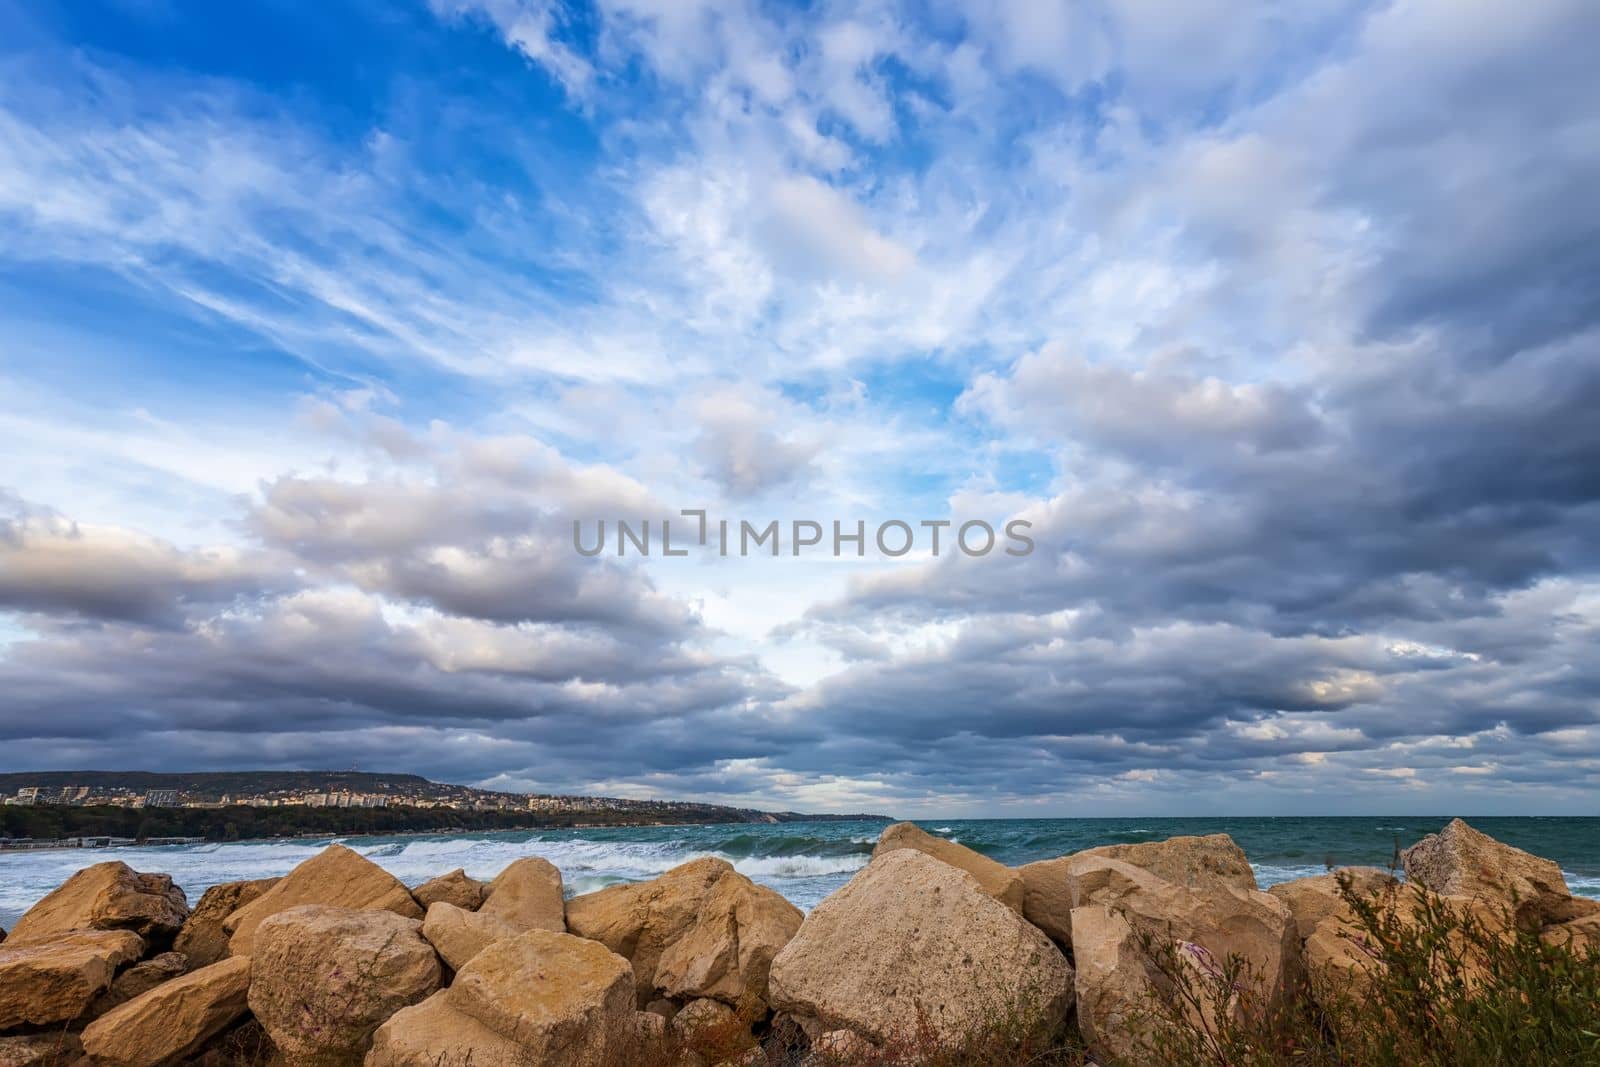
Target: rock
x=47 y=982
x=649 y=1027
x=712 y=1032
x=841 y=1046
x=546 y=990
x=138 y=980
x=335 y=877
x=1313 y=899
x=1573 y=909
x=541 y=997
x=1580 y=934
x=203 y=940
x=324 y=978
x=172 y=1021
x=704 y=1014
x=527 y=894
x=459 y=935
x=998 y=880
x=1192 y=862
x=1116 y=902
x=1340 y=960
x=911 y=939
x=1460 y=861
x=1047 y=896
x=453 y=888
x=40 y=1050
x=732 y=929
x=1113 y=982
x=728 y=951
x=1054 y=887
x=106 y=896
x=434 y=1034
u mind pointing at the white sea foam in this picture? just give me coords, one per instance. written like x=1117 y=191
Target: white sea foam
x=585 y=864
x=1270 y=874
x=1583 y=885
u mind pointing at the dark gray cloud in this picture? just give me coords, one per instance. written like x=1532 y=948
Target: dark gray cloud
x=53 y=566
x=480 y=551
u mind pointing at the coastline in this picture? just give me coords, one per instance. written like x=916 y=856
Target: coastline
x=1030 y=961
x=802 y=861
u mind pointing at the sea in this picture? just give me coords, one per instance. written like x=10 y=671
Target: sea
x=805 y=861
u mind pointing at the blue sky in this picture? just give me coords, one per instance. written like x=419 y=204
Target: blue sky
x=322 y=325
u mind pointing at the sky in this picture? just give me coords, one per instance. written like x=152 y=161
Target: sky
x=322 y=325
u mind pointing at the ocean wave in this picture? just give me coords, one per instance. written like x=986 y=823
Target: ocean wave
x=1582 y=885
x=798 y=866
x=444 y=847
x=1269 y=874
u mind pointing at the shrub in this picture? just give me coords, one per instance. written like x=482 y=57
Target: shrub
x=1446 y=986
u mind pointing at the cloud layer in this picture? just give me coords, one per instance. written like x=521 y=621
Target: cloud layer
x=1278 y=324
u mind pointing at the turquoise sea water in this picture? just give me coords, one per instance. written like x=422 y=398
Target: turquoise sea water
x=806 y=861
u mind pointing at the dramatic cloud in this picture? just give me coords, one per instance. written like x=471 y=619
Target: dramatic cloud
x=54 y=567
x=1277 y=324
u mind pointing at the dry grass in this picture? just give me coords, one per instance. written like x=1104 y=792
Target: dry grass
x=1446 y=988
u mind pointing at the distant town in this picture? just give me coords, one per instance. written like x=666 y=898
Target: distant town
x=441 y=796
x=55 y=809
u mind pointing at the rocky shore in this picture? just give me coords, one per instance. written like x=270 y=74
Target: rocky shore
x=338 y=962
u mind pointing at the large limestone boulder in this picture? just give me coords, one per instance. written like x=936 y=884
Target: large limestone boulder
x=1113 y=982
x=1049 y=886
x=172 y=1021
x=541 y=997
x=1054 y=887
x=1192 y=862
x=1313 y=899
x=1116 y=903
x=730 y=927
x=434 y=1033
x=1460 y=861
x=54 y=981
x=455 y=888
x=106 y=896
x=325 y=978
x=998 y=880
x=138 y=980
x=1340 y=959
x=458 y=935
x=336 y=877
x=527 y=894
x=911 y=940
x=203 y=941
x=1047 y=895
x=726 y=954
